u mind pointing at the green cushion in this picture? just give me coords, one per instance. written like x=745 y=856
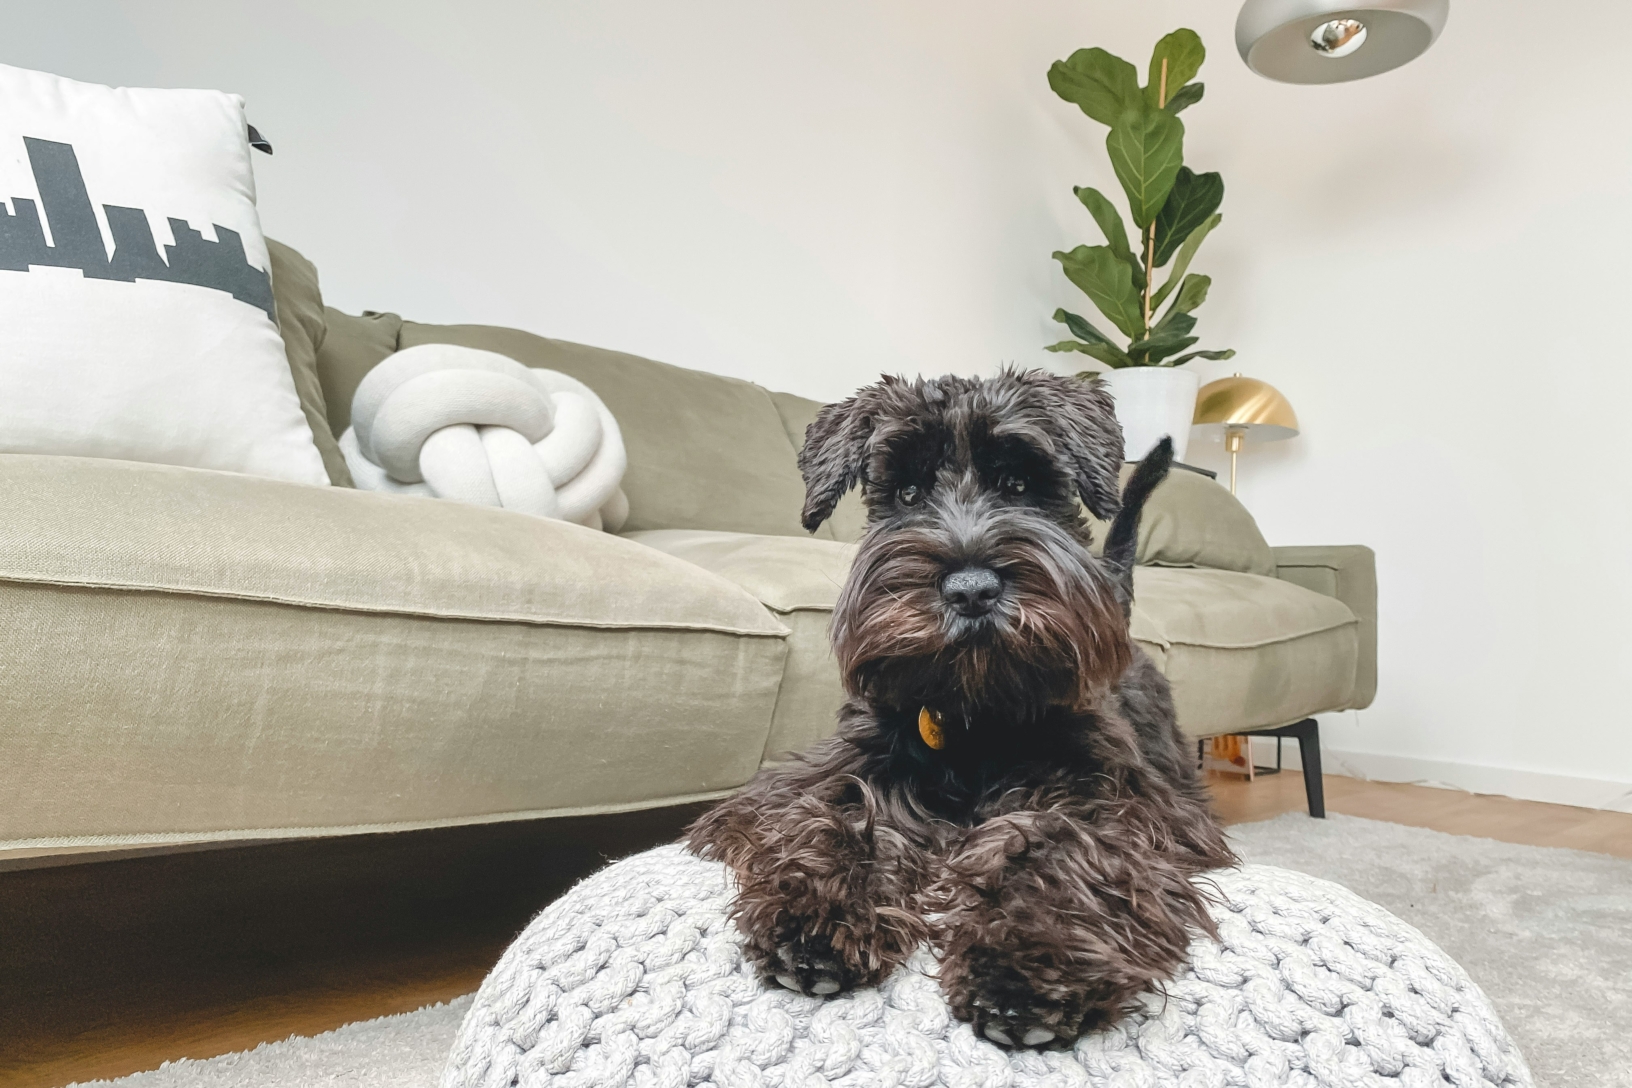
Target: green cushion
x=705 y=452
x=1243 y=651
x=300 y=321
x=250 y=658
x=1191 y=520
x=849 y=518
x=351 y=348
x=799 y=581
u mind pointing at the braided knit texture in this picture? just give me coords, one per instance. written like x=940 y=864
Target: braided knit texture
x=636 y=977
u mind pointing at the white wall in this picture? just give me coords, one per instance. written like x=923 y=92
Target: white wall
x=1428 y=263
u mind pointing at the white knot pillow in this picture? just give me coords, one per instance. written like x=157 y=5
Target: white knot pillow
x=478 y=427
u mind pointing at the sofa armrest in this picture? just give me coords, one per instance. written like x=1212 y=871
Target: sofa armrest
x=1349 y=573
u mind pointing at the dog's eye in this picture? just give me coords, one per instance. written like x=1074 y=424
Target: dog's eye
x=1013 y=485
x=909 y=495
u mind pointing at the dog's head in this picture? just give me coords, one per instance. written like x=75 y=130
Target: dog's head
x=974 y=591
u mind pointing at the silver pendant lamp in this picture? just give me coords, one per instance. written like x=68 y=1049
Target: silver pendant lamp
x=1319 y=41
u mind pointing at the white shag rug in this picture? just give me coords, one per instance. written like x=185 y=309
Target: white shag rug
x=1546 y=933
x=403 y=1051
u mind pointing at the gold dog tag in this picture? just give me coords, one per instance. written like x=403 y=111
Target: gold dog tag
x=929 y=727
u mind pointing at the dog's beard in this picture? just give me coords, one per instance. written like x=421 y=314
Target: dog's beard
x=1056 y=637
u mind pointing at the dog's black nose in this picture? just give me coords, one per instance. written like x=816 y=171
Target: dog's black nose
x=972 y=591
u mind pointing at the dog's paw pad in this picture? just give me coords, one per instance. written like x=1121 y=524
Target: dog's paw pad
x=1013 y=1028
x=1041 y=1025
x=808 y=965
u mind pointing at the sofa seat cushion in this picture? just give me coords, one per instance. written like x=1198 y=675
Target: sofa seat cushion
x=798 y=579
x=1243 y=651
x=249 y=658
x=76 y=521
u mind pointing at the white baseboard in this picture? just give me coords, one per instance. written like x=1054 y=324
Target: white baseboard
x=1556 y=789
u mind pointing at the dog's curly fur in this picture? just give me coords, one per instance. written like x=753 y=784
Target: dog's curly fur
x=1046 y=851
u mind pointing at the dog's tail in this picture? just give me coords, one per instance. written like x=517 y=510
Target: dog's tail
x=1122 y=542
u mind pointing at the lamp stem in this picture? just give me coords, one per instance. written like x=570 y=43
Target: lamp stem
x=1233 y=438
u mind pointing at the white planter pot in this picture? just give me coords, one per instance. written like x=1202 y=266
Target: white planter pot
x=1153 y=401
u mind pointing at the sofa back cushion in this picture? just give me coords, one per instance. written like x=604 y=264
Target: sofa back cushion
x=352 y=346
x=849 y=518
x=710 y=452
x=300 y=322
x=1192 y=520
x=1189 y=521
x=705 y=451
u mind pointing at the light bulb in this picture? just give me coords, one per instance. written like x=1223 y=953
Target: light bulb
x=1338 y=37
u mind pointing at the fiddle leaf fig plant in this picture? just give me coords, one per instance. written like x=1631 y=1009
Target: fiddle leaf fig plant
x=1172 y=208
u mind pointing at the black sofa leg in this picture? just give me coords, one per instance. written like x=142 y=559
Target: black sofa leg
x=1307 y=734
x=1314 y=786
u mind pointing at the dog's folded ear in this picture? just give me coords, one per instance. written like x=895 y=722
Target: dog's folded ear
x=1085 y=416
x=834 y=455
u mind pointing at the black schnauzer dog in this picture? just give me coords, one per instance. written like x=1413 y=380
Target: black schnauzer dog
x=1007 y=782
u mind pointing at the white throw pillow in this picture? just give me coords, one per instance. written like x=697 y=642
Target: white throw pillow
x=136 y=315
x=480 y=428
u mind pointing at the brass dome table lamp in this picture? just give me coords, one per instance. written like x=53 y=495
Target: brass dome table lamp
x=1241 y=410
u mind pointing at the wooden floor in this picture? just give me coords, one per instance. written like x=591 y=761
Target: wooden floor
x=113 y=967
x=1452 y=811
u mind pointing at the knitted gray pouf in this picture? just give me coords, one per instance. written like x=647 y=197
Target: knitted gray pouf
x=636 y=977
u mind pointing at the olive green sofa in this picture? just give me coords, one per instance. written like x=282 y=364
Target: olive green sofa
x=195 y=656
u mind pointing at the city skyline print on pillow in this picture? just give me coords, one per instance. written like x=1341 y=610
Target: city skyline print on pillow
x=136 y=311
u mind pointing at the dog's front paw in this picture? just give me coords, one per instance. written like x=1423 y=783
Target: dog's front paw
x=1009 y=1008
x=808 y=965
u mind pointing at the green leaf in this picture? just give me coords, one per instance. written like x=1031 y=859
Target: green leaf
x=1157 y=348
x=1169 y=336
x=1107 y=281
x=1080 y=327
x=1227 y=353
x=1184 y=53
x=1147 y=151
x=1103 y=86
x=1192 y=293
x=1106 y=215
x=1173 y=325
x=1187 y=253
x=1160 y=350
x=1193 y=198
x=1109 y=354
x=1110 y=221
x=1188 y=96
